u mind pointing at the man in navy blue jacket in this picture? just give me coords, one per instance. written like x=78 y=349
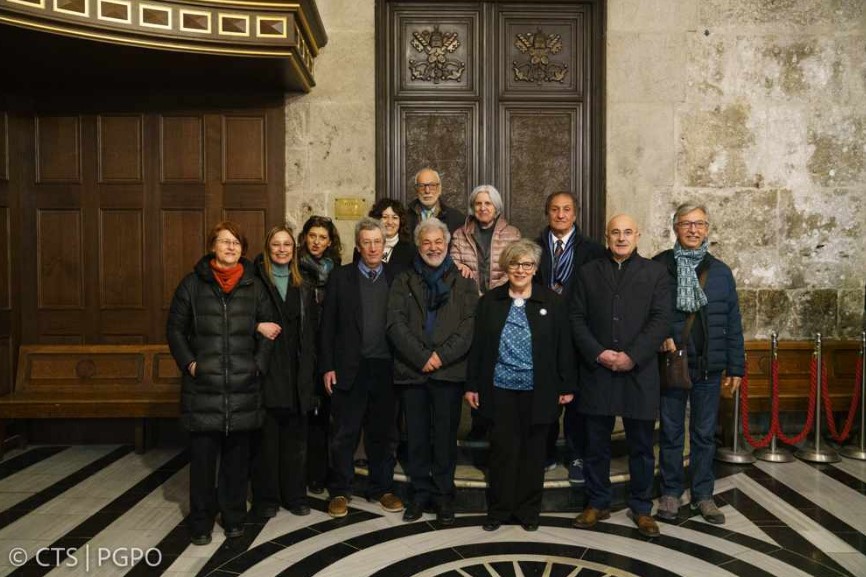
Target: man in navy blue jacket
x=716 y=359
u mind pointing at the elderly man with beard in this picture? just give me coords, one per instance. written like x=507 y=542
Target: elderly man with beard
x=431 y=311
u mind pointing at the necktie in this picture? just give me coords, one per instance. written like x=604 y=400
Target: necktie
x=557 y=252
x=372 y=275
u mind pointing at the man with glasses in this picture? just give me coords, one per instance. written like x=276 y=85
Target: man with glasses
x=706 y=322
x=357 y=365
x=564 y=249
x=620 y=314
x=428 y=187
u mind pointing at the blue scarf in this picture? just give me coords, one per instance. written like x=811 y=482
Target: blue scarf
x=690 y=295
x=561 y=268
x=438 y=290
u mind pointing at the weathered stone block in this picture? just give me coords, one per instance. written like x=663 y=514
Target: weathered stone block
x=338 y=15
x=342 y=154
x=641 y=148
x=298 y=170
x=851 y=311
x=297 y=120
x=781 y=15
x=749 y=312
x=838 y=144
x=346 y=68
x=646 y=67
x=797 y=314
x=822 y=238
x=651 y=15
x=713 y=146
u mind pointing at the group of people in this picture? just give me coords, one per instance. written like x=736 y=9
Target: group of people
x=288 y=359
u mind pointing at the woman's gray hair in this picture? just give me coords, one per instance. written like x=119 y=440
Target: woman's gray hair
x=491 y=191
x=432 y=222
x=368 y=223
x=686 y=208
x=513 y=252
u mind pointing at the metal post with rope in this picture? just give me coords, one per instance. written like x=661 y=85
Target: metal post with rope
x=858 y=451
x=774 y=453
x=815 y=451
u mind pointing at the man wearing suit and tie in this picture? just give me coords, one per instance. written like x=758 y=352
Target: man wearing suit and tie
x=357 y=365
x=564 y=249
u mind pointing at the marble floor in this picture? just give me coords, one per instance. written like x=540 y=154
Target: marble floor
x=104 y=510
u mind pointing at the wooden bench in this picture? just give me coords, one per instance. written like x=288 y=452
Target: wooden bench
x=93 y=382
x=795 y=358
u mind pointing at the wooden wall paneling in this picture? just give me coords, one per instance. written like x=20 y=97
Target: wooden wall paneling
x=540 y=152
x=119 y=148
x=183 y=236
x=60 y=262
x=4 y=145
x=182 y=149
x=5 y=259
x=252 y=223
x=445 y=136
x=6 y=378
x=244 y=154
x=435 y=52
x=58 y=149
x=121 y=259
x=542 y=53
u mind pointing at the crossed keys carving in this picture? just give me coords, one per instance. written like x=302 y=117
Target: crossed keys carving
x=437 y=67
x=539 y=68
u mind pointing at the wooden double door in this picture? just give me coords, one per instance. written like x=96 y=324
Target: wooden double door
x=104 y=207
x=498 y=92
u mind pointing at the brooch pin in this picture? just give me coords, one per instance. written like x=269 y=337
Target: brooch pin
x=542 y=312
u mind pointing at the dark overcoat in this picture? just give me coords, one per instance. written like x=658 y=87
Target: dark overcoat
x=633 y=316
x=552 y=350
x=291 y=379
x=342 y=324
x=452 y=333
x=218 y=332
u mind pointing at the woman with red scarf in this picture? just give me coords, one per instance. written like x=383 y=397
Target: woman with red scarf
x=212 y=336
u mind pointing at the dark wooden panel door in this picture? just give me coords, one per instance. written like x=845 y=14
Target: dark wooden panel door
x=115 y=207
x=7 y=217
x=505 y=93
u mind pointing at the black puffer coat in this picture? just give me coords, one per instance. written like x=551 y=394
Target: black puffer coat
x=290 y=381
x=218 y=332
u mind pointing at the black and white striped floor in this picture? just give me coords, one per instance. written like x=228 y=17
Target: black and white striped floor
x=104 y=510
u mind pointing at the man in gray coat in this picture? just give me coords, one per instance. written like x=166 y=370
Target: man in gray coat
x=620 y=314
x=431 y=312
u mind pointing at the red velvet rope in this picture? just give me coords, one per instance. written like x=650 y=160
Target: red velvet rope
x=852 y=410
x=810 y=413
x=744 y=409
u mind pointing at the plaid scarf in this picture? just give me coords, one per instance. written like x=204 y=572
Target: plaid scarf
x=690 y=295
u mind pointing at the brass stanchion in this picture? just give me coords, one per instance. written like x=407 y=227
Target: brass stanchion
x=736 y=454
x=858 y=451
x=814 y=451
x=773 y=453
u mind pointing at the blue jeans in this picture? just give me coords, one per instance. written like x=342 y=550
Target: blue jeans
x=704 y=400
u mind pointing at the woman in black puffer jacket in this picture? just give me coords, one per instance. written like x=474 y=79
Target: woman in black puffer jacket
x=280 y=451
x=212 y=336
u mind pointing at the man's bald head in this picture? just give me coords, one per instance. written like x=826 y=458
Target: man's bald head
x=622 y=234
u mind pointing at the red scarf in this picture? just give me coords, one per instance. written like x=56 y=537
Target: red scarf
x=227 y=277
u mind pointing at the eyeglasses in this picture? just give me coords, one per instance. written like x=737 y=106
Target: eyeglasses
x=526 y=266
x=687 y=224
x=427 y=185
x=228 y=241
x=370 y=243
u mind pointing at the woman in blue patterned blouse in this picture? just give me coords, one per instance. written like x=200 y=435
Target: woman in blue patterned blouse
x=521 y=368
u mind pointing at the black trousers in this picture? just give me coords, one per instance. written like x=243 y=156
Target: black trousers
x=517 y=451
x=280 y=460
x=369 y=403
x=432 y=418
x=226 y=493
x=317 y=443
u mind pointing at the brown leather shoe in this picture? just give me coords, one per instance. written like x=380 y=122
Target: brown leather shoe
x=338 y=507
x=646 y=526
x=391 y=503
x=590 y=516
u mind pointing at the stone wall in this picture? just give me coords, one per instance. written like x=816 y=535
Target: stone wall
x=330 y=138
x=758 y=109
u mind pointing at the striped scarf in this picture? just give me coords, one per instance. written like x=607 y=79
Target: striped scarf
x=562 y=267
x=690 y=295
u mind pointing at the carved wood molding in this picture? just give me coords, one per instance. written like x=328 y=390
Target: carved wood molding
x=436 y=67
x=539 y=68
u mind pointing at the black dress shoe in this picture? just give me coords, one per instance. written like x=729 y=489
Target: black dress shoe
x=266 y=511
x=300 y=509
x=234 y=532
x=316 y=488
x=529 y=526
x=413 y=512
x=445 y=514
x=491 y=524
x=200 y=539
